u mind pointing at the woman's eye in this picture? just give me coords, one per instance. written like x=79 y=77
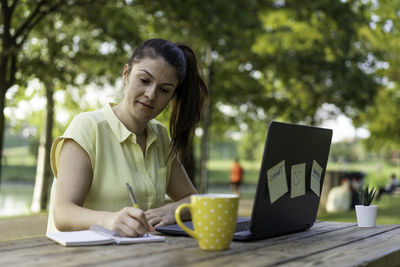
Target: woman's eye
x=144 y=81
x=165 y=90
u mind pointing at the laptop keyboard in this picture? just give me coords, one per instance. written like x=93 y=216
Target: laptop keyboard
x=242 y=226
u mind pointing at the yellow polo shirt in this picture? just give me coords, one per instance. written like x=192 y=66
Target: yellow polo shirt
x=117 y=158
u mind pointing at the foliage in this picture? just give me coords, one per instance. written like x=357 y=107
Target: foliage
x=384 y=121
x=347 y=151
x=366 y=194
x=382 y=118
x=310 y=55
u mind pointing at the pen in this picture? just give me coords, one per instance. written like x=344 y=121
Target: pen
x=132 y=196
x=133 y=199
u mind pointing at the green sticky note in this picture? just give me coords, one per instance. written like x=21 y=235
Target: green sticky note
x=277 y=185
x=316 y=171
x=298 y=180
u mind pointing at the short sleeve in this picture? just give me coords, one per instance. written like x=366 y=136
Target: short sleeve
x=82 y=130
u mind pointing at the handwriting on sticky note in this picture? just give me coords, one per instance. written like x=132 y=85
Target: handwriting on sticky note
x=277 y=185
x=316 y=171
x=298 y=181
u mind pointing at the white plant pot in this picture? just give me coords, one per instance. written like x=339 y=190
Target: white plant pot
x=366 y=215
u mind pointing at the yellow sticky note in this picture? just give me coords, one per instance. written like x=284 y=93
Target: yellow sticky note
x=277 y=185
x=298 y=181
x=316 y=171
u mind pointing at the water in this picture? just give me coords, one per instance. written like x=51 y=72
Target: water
x=15 y=199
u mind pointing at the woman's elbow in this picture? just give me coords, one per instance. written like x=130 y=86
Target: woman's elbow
x=61 y=218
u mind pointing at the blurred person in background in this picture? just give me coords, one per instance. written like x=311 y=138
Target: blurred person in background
x=236 y=176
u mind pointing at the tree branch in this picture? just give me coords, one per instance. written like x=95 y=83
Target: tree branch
x=25 y=29
x=4 y=5
x=29 y=20
x=13 y=5
x=6 y=19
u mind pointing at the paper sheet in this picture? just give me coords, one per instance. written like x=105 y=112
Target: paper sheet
x=316 y=171
x=298 y=181
x=277 y=185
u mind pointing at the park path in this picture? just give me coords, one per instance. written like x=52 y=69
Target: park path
x=35 y=225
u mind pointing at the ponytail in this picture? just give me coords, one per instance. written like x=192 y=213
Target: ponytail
x=187 y=104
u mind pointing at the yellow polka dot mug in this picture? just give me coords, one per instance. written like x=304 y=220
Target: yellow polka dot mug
x=214 y=219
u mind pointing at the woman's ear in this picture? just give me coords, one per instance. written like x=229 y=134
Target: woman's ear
x=125 y=74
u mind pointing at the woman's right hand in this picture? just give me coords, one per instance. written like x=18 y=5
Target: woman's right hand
x=129 y=222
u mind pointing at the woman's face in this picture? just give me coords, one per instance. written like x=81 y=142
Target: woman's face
x=149 y=86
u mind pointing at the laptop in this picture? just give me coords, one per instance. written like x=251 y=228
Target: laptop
x=289 y=184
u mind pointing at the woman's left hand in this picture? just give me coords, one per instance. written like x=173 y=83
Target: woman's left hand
x=164 y=215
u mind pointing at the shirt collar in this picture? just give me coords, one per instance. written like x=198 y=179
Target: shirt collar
x=119 y=129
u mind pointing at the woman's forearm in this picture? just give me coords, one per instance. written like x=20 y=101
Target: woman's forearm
x=71 y=217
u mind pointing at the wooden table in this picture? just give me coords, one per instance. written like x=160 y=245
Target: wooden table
x=324 y=244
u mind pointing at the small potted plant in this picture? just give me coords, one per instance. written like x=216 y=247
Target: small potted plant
x=366 y=213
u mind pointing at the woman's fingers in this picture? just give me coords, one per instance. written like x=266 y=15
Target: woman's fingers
x=160 y=216
x=131 y=221
x=138 y=215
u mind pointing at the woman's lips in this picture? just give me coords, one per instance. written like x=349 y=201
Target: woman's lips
x=146 y=105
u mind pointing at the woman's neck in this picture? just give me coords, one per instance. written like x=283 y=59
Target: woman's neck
x=136 y=127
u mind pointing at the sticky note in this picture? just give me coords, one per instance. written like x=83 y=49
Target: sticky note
x=277 y=185
x=316 y=171
x=298 y=180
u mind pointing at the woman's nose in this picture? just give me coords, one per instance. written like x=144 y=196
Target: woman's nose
x=150 y=92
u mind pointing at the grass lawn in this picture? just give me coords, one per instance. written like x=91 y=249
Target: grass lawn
x=18 y=164
x=377 y=173
x=388 y=212
x=18 y=156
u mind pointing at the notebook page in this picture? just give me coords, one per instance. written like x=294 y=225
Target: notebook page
x=79 y=238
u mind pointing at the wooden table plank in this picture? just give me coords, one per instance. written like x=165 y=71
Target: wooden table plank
x=51 y=254
x=382 y=249
x=287 y=252
x=324 y=242
x=41 y=251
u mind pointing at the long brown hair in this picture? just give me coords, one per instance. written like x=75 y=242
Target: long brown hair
x=189 y=95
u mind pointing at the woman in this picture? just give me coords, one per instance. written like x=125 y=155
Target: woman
x=102 y=150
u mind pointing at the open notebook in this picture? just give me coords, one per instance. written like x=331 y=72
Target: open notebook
x=98 y=236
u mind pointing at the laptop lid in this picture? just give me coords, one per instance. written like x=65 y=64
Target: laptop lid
x=286 y=200
x=290 y=179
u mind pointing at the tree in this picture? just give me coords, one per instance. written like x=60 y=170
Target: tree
x=311 y=54
x=382 y=117
x=18 y=20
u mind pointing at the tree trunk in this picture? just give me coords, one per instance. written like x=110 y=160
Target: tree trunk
x=7 y=78
x=206 y=125
x=2 y=104
x=43 y=171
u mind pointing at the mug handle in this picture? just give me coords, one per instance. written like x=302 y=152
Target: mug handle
x=180 y=223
